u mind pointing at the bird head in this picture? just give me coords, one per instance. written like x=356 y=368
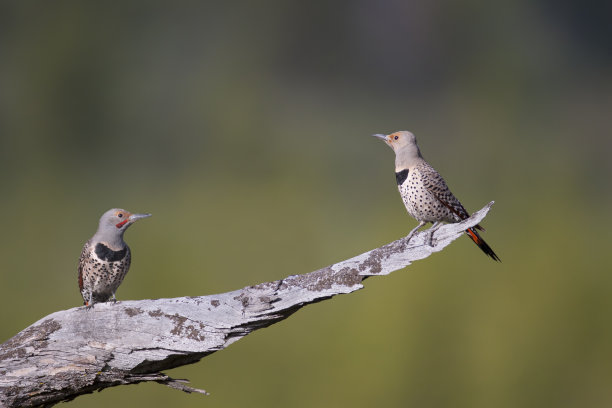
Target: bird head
x=398 y=140
x=404 y=145
x=117 y=220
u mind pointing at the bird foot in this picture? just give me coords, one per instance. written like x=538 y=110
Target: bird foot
x=430 y=240
x=414 y=230
x=434 y=227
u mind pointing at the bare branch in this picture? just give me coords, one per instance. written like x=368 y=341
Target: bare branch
x=78 y=351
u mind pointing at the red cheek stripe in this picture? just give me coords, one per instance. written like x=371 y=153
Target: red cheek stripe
x=121 y=223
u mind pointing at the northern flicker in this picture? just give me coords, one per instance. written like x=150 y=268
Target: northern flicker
x=424 y=192
x=105 y=258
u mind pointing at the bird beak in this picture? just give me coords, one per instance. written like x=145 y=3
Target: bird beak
x=136 y=217
x=385 y=139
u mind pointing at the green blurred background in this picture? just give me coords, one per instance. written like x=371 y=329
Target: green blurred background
x=244 y=127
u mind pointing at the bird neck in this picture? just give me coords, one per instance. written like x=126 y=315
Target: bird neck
x=406 y=161
x=113 y=241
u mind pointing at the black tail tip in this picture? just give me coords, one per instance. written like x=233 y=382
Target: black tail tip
x=489 y=252
x=494 y=256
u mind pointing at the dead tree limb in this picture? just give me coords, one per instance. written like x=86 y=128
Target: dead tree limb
x=78 y=351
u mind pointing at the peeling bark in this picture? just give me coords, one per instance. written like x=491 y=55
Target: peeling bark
x=77 y=351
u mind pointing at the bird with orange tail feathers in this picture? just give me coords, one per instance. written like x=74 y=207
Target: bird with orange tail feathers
x=424 y=192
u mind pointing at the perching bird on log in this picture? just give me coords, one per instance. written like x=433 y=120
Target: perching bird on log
x=106 y=257
x=425 y=194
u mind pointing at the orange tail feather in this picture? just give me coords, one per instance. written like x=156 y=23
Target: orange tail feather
x=482 y=244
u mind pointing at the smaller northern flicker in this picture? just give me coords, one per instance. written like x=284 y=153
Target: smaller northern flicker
x=424 y=192
x=105 y=258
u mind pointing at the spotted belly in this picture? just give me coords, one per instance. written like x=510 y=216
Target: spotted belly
x=106 y=279
x=420 y=203
x=101 y=273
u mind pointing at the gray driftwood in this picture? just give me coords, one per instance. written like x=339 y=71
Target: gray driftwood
x=78 y=351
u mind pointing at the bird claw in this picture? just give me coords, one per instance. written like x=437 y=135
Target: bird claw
x=430 y=241
x=434 y=227
x=414 y=230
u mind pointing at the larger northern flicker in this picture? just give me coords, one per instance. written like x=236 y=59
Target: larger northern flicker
x=424 y=192
x=105 y=258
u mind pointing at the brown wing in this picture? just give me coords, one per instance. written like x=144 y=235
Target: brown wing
x=436 y=185
x=82 y=261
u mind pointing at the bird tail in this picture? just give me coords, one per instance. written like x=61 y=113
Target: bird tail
x=481 y=244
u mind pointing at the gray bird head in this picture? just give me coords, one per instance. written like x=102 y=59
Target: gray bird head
x=404 y=145
x=113 y=224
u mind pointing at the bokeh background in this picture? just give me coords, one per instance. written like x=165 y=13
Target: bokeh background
x=244 y=128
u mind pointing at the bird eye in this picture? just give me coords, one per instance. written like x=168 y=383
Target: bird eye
x=396 y=137
x=120 y=215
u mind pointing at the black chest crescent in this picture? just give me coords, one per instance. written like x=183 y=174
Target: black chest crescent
x=106 y=254
x=401 y=176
